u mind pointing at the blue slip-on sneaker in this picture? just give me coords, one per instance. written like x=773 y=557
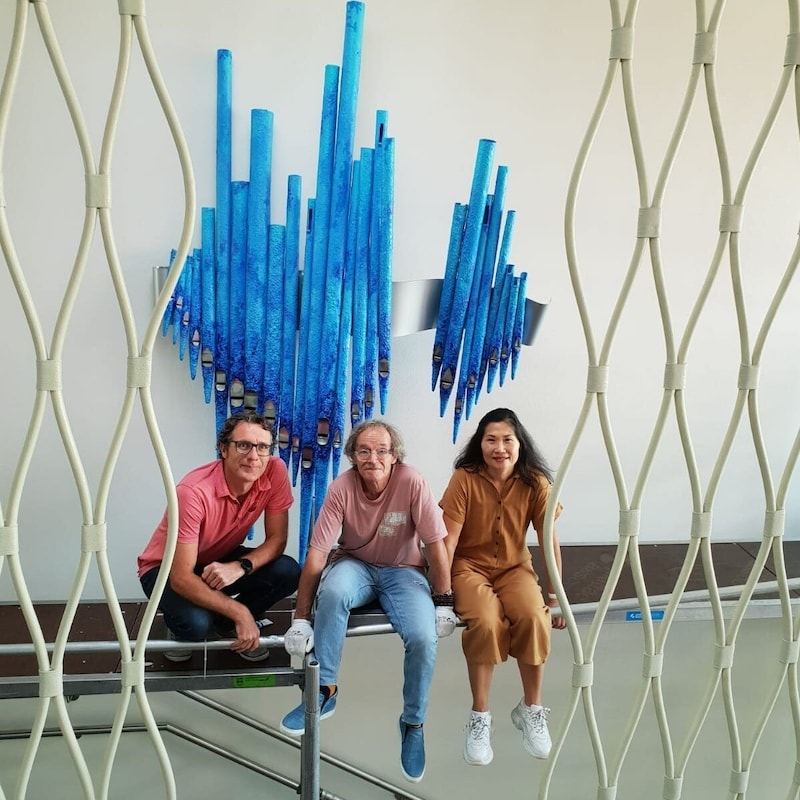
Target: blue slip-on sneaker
x=412 y=752
x=294 y=723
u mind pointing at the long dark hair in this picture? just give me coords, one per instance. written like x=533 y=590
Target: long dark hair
x=530 y=459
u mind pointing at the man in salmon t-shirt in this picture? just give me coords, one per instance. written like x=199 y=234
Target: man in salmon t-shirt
x=216 y=585
x=383 y=509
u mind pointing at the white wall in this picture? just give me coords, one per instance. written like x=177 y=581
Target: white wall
x=523 y=72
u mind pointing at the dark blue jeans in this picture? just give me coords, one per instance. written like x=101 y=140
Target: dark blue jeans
x=259 y=590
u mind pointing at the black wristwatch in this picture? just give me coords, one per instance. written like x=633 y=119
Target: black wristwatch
x=247 y=566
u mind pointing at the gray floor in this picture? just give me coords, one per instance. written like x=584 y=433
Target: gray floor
x=363 y=730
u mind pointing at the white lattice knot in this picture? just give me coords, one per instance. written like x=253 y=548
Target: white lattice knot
x=652 y=665
x=748 y=376
x=649 y=224
x=774 y=523
x=51 y=682
x=730 y=218
x=93 y=538
x=723 y=656
x=582 y=675
x=739 y=781
x=673 y=787
x=9 y=540
x=98 y=191
x=705 y=47
x=133 y=8
x=792 y=56
x=133 y=672
x=139 y=371
x=701 y=524
x=48 y=375
x=606 y=792
x=674 y=377
x=789 y=652
x=629 y=519
x=621 y=44
x=597 y=378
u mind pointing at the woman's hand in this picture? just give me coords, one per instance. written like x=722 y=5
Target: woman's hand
x=557 y=621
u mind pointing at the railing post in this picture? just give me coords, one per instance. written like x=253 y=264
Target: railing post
x=309 y=744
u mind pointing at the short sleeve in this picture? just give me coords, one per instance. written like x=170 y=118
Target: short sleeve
x=280 y=496
x=454 y=499
x=543 y=489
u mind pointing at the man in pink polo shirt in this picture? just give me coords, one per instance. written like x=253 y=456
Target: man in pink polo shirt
x=217 y=585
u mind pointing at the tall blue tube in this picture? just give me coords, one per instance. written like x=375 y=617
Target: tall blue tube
x=337 y=239
x=258 y=218
x=193 y=316
x=273 y=331
x=208 y=294
x=236 y=304
x=361 y=286
x=466 y=268
x=289 y=338
x=494 y=324
x=223 y=234
x=448 y=289
x=385 y=246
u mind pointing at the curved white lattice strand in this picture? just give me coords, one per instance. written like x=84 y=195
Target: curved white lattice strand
x=93 y=532
x=674 y=387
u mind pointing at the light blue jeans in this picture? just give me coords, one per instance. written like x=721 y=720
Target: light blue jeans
x=405 y=596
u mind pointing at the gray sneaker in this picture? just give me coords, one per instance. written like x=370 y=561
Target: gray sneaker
x=533 y=724
x=478 y=746
x=259 y=654
x=176 y=656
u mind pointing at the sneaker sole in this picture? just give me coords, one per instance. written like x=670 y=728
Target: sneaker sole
x=178 y=657
x=295 y=732
x=518 y=724
x=478 y=762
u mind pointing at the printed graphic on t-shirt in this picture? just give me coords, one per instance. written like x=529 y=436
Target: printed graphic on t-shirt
x=392 y=520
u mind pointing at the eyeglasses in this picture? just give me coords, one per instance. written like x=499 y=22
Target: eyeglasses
x=363 y=454
x=243 y=448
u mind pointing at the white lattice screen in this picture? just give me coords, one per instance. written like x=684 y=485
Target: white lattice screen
x=730 y=269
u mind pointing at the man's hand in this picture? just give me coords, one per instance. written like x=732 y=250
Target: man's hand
x=446 y=621
x=247 y=634
x=219 y=574
x=299 y=639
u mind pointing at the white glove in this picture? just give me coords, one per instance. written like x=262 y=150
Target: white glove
x=446 y=620
x=299 y=639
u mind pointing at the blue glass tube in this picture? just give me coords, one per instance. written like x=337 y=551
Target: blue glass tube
x=273 y=332
x=314 y=280
x=302 y=350
x=466 y=269
x=361 y=286
x=385 y=246
x=207 y=293
x=491 y=345
x=289 y=336
x=236 y=302
x=508 y=328
x=459 y=404
x=448 y=289
x=193 y=314
x=223 y=234
x=179 y=300
x=258 y=217
x=373 y=293
x=186 y=305
x=345 y=325
x=476 y=368
x=496 y=343
x=337 y=235
x=519 y=322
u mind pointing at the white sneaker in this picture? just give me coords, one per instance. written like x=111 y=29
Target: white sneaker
x=477 y=747
x=533 y=725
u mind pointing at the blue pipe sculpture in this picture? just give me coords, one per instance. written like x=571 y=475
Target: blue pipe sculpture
x=236 y=328
x=273 y=332
x=207 y=294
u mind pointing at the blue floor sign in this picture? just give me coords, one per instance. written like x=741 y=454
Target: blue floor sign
x=636 y=616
